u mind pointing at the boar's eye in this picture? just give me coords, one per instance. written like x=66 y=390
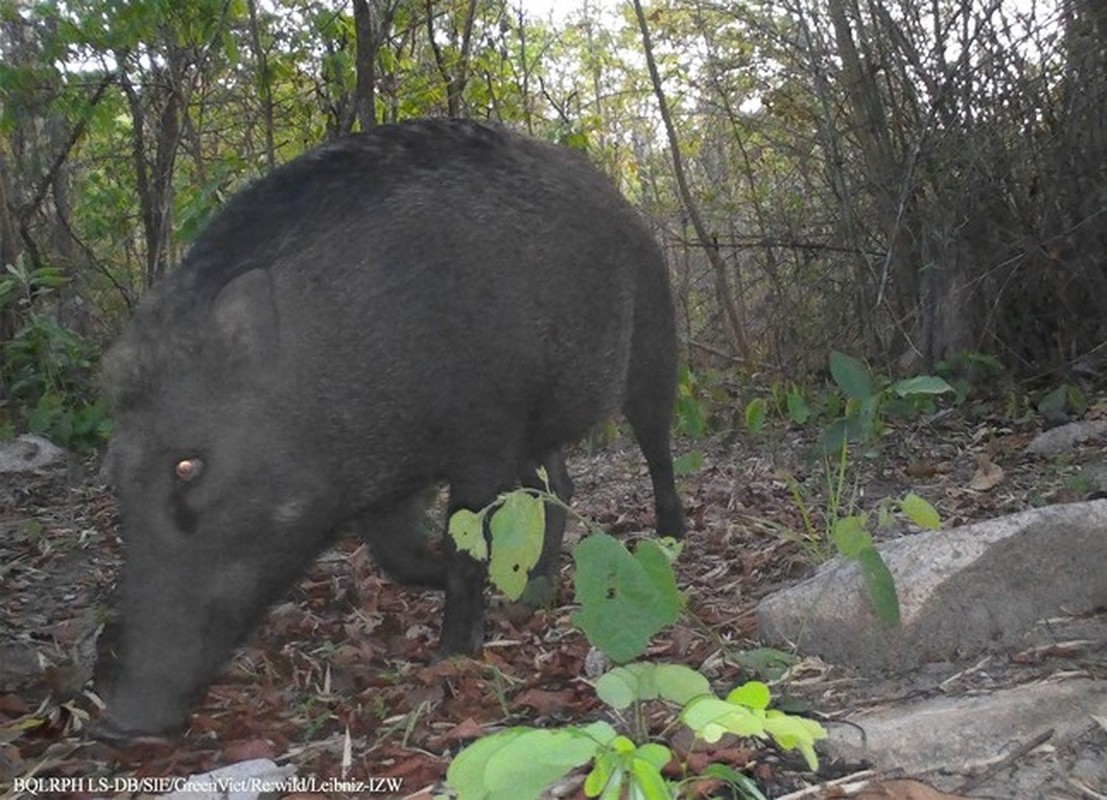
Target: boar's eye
x=188 y=469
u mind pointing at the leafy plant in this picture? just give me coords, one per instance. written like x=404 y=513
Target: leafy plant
x=847 y=530
x=625 y=598
x=966 y=370
x=690 y=408
x=520 y=763
x=756 y=413
x=46 y=370
x=869 y=401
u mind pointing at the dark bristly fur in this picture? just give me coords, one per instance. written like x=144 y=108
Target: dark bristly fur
x=428 y=302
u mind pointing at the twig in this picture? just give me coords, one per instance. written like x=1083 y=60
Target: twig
x=848 y=784
x=1014 y=755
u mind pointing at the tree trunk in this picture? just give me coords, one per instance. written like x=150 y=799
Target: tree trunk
x=735 y=330
x=9 y=247
x=455 y=76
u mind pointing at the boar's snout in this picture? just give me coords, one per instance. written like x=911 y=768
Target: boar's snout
x=108 y=730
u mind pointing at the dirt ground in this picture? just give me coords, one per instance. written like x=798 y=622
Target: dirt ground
x=341 y=670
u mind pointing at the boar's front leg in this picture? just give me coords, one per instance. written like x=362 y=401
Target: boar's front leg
x=542 y=586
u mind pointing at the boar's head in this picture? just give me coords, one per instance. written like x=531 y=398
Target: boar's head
x=220 y=511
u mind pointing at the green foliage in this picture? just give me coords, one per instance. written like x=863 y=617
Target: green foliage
x=798 y=409
x=517 y=526
x=746 y=712
x=868 y=402
x=690 y=410
x=967 y=370
x=624 y=598
x=520 y=763
x=1057 y=405
x=847 y=530
x=623 y=686
x=756 y=413
x=688 y=463
x=47 y=371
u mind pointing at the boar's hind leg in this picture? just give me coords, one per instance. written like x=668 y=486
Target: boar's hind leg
x=400 y=545
x=542 y=587
x=651 y=389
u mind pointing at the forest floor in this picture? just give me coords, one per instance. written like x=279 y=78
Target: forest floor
x=340 y=682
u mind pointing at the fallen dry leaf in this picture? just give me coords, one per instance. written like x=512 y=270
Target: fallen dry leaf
x=988 y=474
x=248 y=749
x=921 y=469
x=545 y=702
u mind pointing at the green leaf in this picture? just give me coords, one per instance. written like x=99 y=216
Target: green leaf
x=881 y=586
x=753 y=695
x=520 y=763
x=756 y=412
x=767 y=662
x=606 y=776
x=622 y=686
x=727 y=773
x=625 y=599
x=709 y=717
x=798 y=409
x=657 y=754
x=920 y=512
x=850 y=537
x=518 y=528
x=795 y=733
x=688 y=463
x=648 y=779
x=852 y=376
x=467 y=529
x=921 y=384
x=1054 y=403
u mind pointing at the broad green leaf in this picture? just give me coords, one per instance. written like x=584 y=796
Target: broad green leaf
x=690 y=416
x=1054 y=403
x=520 y=763
x=850 y=537
x=622 y=686
x=709 y=717
x=921 y=384
x=606 y=777
x=648 y=781
x=795 y=733
x=767 y=662
x=852 y=376
x=657 y=754
x=881 y=586
x=518 y=528
x=625 y=599
x=756 y=412
x=688 y=463
x=920 y=512
x=753 y=695
x=467 y=529
x=798 y=409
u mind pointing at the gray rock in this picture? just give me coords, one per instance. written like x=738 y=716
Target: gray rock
x=28 y=453
x=1064 y=438
x=962 y=733
x=961 y=591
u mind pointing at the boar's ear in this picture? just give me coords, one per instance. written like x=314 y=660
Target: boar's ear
x=244 y=318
